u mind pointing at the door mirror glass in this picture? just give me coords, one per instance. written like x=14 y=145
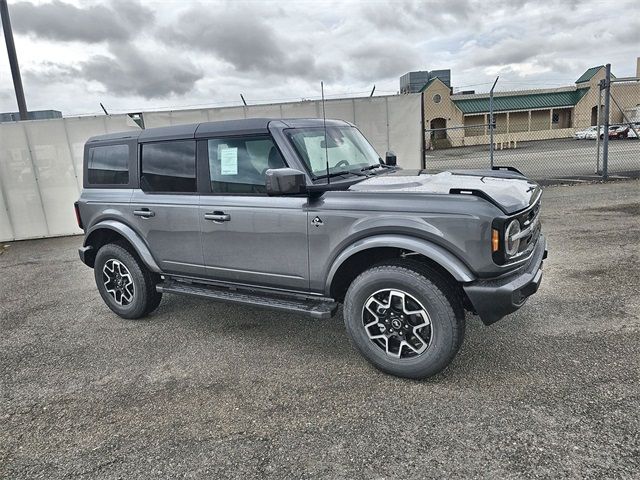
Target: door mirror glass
x=390 y=159
x=285 y=181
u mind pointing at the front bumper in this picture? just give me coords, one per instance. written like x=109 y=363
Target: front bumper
x=494 y=298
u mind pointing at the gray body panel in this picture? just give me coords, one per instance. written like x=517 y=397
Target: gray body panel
x=173 y=233
x=355 y=221
x=511 y=192
x=264 y=242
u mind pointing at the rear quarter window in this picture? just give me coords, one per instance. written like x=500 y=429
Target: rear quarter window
x=108 y=165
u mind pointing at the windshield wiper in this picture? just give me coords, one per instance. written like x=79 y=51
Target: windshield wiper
x=337 y=174
x=381 y=165
x=370 y=167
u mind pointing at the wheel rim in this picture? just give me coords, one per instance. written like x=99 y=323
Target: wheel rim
x=397 y=323
x=118 y=282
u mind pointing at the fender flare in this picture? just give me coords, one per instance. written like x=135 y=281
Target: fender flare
x=438 y=254
x=131 y=236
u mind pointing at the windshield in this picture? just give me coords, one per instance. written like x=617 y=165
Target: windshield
x=346 y=149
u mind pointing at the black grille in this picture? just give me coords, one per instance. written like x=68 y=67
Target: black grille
x=526 y=219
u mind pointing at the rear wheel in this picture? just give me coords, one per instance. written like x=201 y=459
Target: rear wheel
x=404 y=318
x=124 y=282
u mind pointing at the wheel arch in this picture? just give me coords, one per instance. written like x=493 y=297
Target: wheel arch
x=367 y=252
x=111 y=231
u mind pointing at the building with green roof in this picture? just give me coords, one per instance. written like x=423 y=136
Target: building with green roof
x=457 y=119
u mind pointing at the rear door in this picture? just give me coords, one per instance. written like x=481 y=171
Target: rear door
x=165 y=207
x=247 y=236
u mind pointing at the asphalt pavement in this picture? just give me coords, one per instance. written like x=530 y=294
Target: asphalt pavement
x=205 y=390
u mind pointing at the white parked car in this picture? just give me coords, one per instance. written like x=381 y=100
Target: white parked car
x=587 y=133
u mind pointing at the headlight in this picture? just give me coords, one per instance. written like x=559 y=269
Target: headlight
x=511 y=246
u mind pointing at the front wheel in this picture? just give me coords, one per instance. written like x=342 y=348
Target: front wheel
x=125 y=284
x=404 y=318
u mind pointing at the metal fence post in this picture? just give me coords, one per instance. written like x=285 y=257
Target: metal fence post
x=605 y=133
x=598 y=127
x=491 y=122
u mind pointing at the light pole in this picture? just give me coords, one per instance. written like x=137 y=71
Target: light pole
x=13 y=59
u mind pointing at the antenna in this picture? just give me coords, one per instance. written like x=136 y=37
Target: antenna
x=324 y=124
x=104 y=109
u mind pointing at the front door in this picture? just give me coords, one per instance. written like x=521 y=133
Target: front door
x=165 y=207
x=247 y=236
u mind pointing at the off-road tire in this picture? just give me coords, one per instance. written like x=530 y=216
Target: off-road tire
x=145 y=298
x=441 y=300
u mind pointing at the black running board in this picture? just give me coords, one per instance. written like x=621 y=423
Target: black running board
x=316 y=308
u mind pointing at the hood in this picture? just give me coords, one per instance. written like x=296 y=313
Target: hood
x=509 y=191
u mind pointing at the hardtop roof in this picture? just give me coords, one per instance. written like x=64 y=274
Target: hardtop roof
x=220 y=128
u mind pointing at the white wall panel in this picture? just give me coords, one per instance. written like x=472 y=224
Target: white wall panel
x=156 y=119
x=181 y=117
x=405 y=129
x=79 y=129
x=371 y=119
x=340 y=109
x=264 y=111
x=6 y=230
x=227 y=113
x=300 y=110
x=18 y=180
x=119 y=123
x=55 y=173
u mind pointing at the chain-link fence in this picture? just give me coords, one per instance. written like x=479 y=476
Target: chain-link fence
x=531 y=152
x=619 y=143
x=549 y=143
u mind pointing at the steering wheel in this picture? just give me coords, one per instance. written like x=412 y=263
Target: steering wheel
x=342 y=163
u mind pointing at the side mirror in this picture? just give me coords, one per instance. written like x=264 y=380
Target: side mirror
x=284 y=181
x=390 y=159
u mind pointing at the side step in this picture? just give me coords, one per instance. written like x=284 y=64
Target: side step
x=316 y=308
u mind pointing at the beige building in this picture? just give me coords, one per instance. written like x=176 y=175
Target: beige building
x=462 y=119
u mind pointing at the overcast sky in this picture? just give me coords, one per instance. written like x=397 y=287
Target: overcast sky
x=134 y=55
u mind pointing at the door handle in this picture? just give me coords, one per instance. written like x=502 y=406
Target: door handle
x=217 y=217
x=144 y=213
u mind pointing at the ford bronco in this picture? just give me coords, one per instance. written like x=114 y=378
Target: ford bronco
x=302 y=215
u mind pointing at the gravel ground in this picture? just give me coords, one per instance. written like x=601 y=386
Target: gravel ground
x=204 y=390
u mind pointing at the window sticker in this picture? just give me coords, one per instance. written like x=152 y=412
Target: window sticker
x=228 y=161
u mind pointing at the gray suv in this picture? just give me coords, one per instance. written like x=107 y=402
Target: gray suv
x=301 y=215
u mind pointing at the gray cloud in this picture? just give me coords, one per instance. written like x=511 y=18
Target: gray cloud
x=414 y=15
x=61 y=21
x=247 y=42
x=381 y=60
x=128 y=71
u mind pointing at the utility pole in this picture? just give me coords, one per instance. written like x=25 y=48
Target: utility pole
x=492 y=122
x=13 y=59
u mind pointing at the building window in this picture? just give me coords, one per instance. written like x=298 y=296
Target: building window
x=555 y=118
x=437 y=98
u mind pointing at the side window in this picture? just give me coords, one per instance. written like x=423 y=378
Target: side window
x=168 y=166
x=238 y=165
x=108 y=165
